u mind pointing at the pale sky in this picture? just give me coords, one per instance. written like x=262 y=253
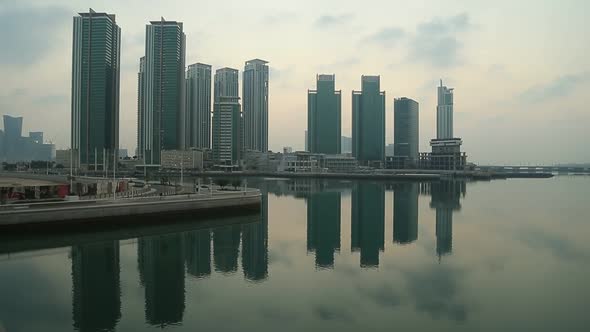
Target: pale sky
x=520 y=69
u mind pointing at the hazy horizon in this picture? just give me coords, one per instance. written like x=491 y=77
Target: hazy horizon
x=520 y=70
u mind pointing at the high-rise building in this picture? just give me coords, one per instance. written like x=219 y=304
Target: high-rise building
x=444 y=112
x=227 y=131
x=141 y=109
x=226 y=83
x=255 y=99
x=163 y=125
x=368 y=121
x=324 y=117
x=95 y=88
x=406 y=128
x=198 y=106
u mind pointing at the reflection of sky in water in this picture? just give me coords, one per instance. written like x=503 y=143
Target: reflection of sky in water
x=506 y=255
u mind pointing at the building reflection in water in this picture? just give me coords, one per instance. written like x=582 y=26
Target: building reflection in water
x=197 y=246
x=323 y=226
x=96 y=293
x=161 y=272
x=226 y=248
x=368 y=221
x=405 y=212
x=446 y=197
x=255 y=246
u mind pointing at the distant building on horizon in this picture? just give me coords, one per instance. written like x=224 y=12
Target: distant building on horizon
x=406 y=128
x=14 y=147
x=345 y=144
x=198 y=106
x=255 y=100
x=95 y=88
x=324 y=116
x=368 y=121
x=163 y=123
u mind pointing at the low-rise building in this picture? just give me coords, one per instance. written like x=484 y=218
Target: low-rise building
x=261 y=161
x=63 y=157
x=338 y=163
x=182 y=159
x=446 y=155
x=299 y=162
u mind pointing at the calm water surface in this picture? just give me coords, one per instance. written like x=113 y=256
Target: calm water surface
x=326 y=256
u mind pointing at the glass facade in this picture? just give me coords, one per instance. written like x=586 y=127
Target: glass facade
x=368 y=121
x=198 y=106
x=95 y=87
x=324 y=117
x=406 y=128
x=164 y=123
x=255 y=99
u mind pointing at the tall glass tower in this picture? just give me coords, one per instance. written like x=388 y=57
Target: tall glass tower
x=368 y=121
x=95 y=88
x=324 y=117
x=444 y=112
x=406 y=128
x=163 y=126
x=255 y=100
x=198 y=106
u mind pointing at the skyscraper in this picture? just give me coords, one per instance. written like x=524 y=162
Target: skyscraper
x=198 y=106
x=228 y=135
x=226 y=83
x=227 y=131
x=95 y=88
x=163 y=125
x=368 y=121
x=141 y=109
x=324 y=117
x=444 y=112
x=255 y=99
x=406 y=128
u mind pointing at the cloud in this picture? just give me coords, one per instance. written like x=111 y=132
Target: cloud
x=383 y=295
x=436 y=292
x=279 y=18
x=24 y=43
x=437 y=42
x=559 y=87
x=387 y=37
x=559 y=246
x=327 y=21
